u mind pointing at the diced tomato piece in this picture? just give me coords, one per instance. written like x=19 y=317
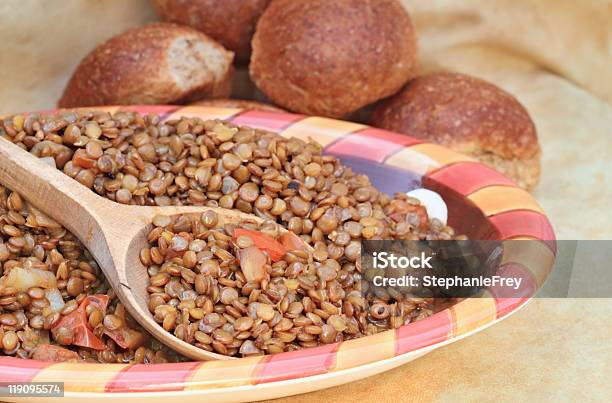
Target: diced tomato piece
x=264 y=242
x=422 y=213
x=81 y=159
x=53 y=353
x=84 y=337
x=100 y=301
x=77 y=322
x=293 y=242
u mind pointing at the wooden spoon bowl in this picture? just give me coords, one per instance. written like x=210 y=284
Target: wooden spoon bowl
x=113 y=233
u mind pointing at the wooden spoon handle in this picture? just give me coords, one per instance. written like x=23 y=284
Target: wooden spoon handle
x=88 y=216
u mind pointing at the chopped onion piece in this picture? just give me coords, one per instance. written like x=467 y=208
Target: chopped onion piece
x=56 y=302
x=252 y=262
x=24 y=279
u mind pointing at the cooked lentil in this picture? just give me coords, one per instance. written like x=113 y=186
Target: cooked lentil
x=300 y=301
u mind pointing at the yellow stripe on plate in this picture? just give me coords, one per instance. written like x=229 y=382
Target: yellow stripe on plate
x=426 y=157
x=222 y=374
x=499 y=199
x=472 y=313
x=534 y=255
x=79 y=377
x=413 y=161
x=444 y=156
x=204 y=112
x=322 y=130
x=364 y=350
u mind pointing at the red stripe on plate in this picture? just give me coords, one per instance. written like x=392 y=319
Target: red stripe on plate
x=504 y=306
x=467 y=177
x=152 y=378
x=512 y=270
x=525 y=223
x=19 y=370
x=423 y=333
x=273 y=121
x=372 y=144
x=296 y=364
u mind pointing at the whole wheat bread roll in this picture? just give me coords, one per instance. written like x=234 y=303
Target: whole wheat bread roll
x=158 y=63
x=469 y=115
x=330 y=58
x=229 y=22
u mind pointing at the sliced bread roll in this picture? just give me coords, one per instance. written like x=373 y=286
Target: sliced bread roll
x=158 y=63
x=230 y=22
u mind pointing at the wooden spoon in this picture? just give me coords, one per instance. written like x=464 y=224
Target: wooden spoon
x=114 y=233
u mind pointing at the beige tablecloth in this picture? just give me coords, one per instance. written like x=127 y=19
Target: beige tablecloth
x=555 y=56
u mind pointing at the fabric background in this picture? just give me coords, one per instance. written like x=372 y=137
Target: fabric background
x=555 y=56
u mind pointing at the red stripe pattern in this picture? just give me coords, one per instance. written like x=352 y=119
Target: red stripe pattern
x=272 y=121
x=372 y=144
x=521 y=223
x=467 y=177
x=17 y=370
x=296 y=364
x=152 y=378
x=435 y=329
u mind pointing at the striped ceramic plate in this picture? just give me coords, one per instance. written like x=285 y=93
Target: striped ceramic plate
x=482 y=204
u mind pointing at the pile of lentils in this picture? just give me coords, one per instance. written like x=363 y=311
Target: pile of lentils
x=45 y=274
x=141 y=160
x=249 y=289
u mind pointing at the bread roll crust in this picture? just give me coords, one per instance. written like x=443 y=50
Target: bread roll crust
x=469 y=115
x=158 y=63
x=230 y=22
x=330 y=58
